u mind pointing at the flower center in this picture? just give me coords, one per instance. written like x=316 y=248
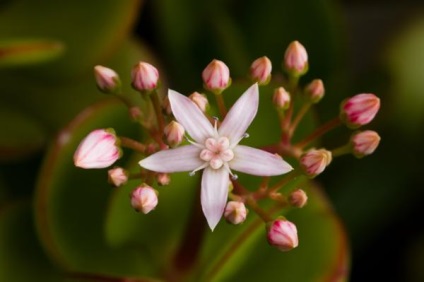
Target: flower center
x=217 y=152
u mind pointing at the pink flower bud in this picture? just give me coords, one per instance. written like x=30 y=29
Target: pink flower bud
x=281 y=98
x=364 y=143
x=282 y=234
x=260 y=70
x=163 y=179
x=216 y=76
x=315 y=90
x=296 y=59
x=298 y=198
x=97 y=150
x=145 y=77
x=174 y=133
x=117 y=176
x=315 y=161
x=359 y=109
x=107 y=80
x=200 y=100
x=235 y=212
x=144 y=198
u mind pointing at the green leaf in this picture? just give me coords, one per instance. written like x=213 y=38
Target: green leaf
x=90 y=30
x=21 y=52
x=21 y=136
x=71 y=203
x=21 y=256
x=242 y=253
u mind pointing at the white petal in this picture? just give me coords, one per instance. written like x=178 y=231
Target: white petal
x=214 y=194
x=190 y=116
x=185 y=158
x=258 y=162
x=240 y=115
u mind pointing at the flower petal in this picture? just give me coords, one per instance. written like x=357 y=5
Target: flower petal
x=185 y=158
x=240 y=115
x=190 y=116
x=258 y=162
x=214 y=194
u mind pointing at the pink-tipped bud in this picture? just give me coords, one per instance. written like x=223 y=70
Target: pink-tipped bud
x=145 y=77
x=315 y=161
x=281 y=98
x=107 y=80
x=282 y=234
x=235 y=212
x=359 y=109
x=315 y=90
x=174 y=133
x=163 y=179
x=296 y=59
x=260 y=70
x=298 y=198
x=200 y=100
x=364 y=143
x=144 y=198
x=98 y=149
x=216 y=76
x=117 y=176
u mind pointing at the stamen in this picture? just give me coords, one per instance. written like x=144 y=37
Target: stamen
x=246 y=135
x=192 y=173
x=234 y=176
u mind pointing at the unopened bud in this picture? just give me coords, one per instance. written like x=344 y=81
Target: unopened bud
x=298 y=198
x=144 y=198
x=235 y=212
x=359 y=109
x=98 y=150
x=174 y=133
x=315 y=90
x=216 y=76
x=107 y=80
x=364 y=143
x=296 y=59
x=281 y=98
x=163 y=179
x=200 y=100
x=117 y=176
x=282 y=234
x=315 y=161
x=260 y=70
x=145 y=77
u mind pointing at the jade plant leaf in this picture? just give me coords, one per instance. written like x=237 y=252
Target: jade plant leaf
x=21 y=136
x=89 y=30
x=71 y=203
x=21 y=255
x=14 y=53
x=242 y=253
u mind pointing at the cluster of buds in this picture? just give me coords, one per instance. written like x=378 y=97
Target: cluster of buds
x=184 y=137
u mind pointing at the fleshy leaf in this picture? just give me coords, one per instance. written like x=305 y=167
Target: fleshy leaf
x=21 y=255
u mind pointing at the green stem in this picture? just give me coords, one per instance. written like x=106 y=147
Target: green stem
x=299 y=117
x=158 y=110
x=320 y=131
x=221 y=105
x=104 y=278
x=284 y=181
x=251 y=202
x=342 y=150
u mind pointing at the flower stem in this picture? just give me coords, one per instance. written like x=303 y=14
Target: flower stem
x=331 y=124
x=158 y=110
x=298 y=118
x=132 y=144
x=285 y=180
x=251 y=202
x=221 y=105
x=342 y=150
x=104 y=278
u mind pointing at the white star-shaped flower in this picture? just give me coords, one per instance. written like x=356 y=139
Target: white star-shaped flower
x=216 y=150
